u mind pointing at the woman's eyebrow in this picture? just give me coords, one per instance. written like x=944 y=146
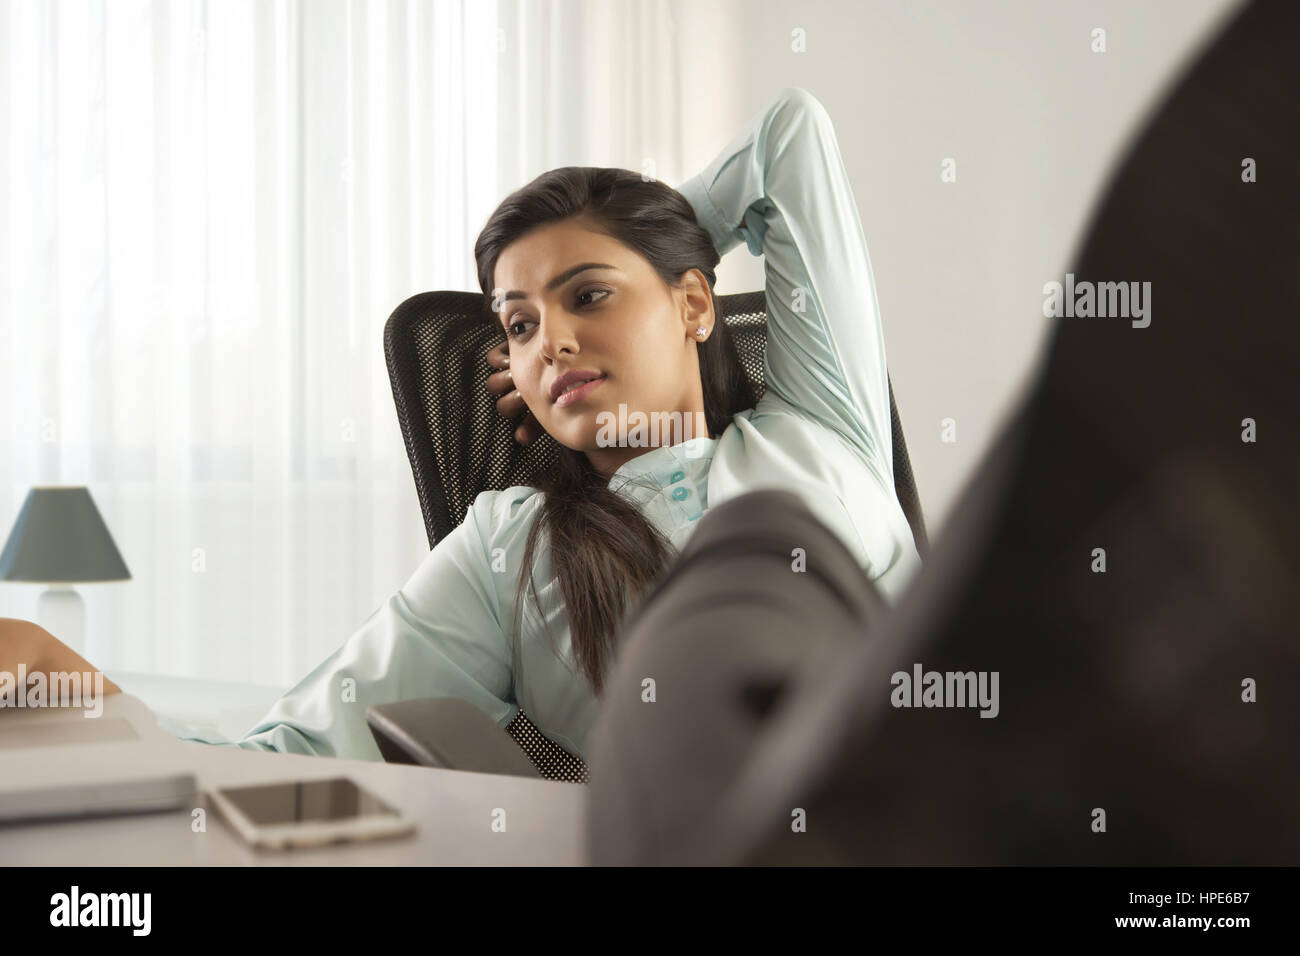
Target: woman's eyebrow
x=560 y=279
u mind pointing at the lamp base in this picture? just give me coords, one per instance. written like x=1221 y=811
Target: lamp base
x=62 y=612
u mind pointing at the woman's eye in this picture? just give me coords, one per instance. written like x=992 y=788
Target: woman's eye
x=590 y=291
x=604 y=293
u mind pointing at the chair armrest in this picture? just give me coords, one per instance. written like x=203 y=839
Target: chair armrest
x=446 y=732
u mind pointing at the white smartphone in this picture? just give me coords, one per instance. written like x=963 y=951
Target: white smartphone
x=308 y=813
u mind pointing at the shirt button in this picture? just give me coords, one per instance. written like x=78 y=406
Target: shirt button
x=678 y=476
x=680 y=493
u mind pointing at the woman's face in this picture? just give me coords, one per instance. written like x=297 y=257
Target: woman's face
x=622 y=322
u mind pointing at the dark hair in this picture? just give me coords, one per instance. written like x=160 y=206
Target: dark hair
x=604 y=552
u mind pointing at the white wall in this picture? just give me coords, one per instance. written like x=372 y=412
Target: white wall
x=1034 y=119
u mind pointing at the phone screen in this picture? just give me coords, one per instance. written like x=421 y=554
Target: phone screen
x=314 y=801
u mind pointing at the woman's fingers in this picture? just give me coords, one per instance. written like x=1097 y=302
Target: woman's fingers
x=528 y=431
x=510 y=404
x=502 y=383
x=499 y=382
x=499 y=355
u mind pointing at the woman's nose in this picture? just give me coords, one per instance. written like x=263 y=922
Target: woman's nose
x=558 y=333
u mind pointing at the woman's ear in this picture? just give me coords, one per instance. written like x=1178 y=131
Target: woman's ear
x=697 y=303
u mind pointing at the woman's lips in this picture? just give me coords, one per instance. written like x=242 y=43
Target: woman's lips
x=579 y=393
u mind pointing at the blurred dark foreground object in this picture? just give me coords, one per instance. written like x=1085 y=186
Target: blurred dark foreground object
x=1120 y=692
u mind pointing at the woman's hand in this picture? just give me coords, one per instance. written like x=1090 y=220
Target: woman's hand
x=511 y=403
x=22 y=642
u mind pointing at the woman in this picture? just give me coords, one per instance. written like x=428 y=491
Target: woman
x=597 y=276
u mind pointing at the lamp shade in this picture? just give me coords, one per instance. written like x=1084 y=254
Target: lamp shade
x=60 y=538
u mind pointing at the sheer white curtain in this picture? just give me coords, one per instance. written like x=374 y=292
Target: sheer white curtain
x=209 y=211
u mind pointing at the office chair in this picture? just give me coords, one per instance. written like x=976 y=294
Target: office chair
x=458 y=445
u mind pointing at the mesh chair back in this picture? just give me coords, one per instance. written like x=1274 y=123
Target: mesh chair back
x=458 y=444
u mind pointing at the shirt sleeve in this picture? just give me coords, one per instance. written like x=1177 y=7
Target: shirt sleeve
x=440 y=635
x=781 y=187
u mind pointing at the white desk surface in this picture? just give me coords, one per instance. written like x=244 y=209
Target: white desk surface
x=453 y=811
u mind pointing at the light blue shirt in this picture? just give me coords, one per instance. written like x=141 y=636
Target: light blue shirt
x=822 y=430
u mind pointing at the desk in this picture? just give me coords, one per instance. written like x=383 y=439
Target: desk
x=452 y=811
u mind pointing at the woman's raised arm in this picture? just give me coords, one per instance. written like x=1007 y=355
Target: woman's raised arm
x=781 y=187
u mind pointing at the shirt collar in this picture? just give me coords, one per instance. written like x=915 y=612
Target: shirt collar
x=667 y=463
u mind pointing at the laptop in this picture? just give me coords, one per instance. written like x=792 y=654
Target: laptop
x=58 y=762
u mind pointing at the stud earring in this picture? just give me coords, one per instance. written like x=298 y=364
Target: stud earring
x=701 y=332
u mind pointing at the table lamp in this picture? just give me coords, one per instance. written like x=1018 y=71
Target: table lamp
x=60 y=539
